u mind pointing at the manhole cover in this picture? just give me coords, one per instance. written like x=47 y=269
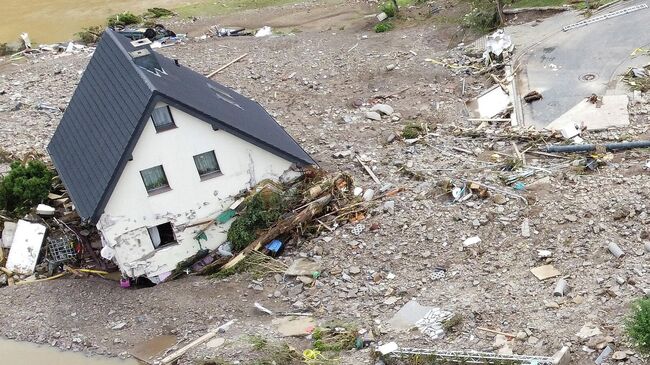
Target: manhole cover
x=588 y=77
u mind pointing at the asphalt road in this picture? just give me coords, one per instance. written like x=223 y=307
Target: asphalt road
x=568 y=66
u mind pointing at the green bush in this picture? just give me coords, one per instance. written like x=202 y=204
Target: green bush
x=125 y=18
x=637 y=325
x=389 y=9
x=261 y=212
x=90 y=35
x=158 y=13
x=383 y=27
x=483 y=18
x=25 y=186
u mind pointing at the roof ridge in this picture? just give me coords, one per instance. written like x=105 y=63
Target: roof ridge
x=113 y=35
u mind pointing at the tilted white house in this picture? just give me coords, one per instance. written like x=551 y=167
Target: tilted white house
x=147 y=148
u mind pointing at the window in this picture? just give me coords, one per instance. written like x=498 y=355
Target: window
x=162 y=235
x=162 y=119
x=206 y=164
x=155 y=179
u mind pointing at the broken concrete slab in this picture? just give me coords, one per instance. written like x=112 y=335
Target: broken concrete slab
x=612 y=112
x=8 y=234
x=26 y=247
x=490 y=103
x=150 y=349
x=545 y=272
x=407 y=317
x=588 y=330
x=292 y=326
x=45 y=210
x=303 y=267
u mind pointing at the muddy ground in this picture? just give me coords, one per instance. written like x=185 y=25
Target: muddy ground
x=309 y=81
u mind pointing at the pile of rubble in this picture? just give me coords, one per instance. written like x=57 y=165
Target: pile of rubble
x=49 y=243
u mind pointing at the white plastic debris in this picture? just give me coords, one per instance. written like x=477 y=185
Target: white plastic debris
x=496 y=43
x=43 y=209
x=387 y=348
x=382 y=16
x=264 y=31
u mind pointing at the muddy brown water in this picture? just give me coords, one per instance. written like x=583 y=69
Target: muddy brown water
x=49 y=21
x=22 y=353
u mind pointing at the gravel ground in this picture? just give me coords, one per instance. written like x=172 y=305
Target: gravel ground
x=309 y=82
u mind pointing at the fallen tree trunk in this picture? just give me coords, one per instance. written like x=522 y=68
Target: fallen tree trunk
x=284 y=226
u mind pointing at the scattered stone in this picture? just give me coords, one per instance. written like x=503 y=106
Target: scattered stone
x=368 y=195
x=545 y=272
x=619 y=355
x=588 y=330
x=354 y=270
x=499 y=199
x=373 y=116
x=391 y=300
x=471 y=241
x=383 y=109
x=119 y=326
x=525 y=228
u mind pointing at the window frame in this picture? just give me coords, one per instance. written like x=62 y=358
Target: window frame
x=167 y=126
x=211 y=174
x=163 y=245
x=159 y=189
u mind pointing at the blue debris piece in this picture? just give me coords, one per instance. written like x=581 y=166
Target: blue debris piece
x=274 y=246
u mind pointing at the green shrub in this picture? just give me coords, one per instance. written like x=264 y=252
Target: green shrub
x=483 y=17
x=25 y=186
x=389 y=9
x=125 y=18
x=158 y=13
x=261 y=212
x=637 y=325
x=90 y=35
x=411 y=131
x=383 y=27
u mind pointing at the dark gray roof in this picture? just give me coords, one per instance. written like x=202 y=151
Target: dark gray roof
x=113 y=101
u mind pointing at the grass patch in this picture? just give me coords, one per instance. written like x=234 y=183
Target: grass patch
x=383 y=27
x=210 y=8
x=158 y=13
x=537 y=3
x=412 y=131
x=335 y=336
x=637 y=325
x=258 y=342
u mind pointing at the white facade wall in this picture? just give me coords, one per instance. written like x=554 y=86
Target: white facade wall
x=131 y=210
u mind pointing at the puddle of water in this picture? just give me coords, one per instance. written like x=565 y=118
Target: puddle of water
x=22 y=353
x=49 y=21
